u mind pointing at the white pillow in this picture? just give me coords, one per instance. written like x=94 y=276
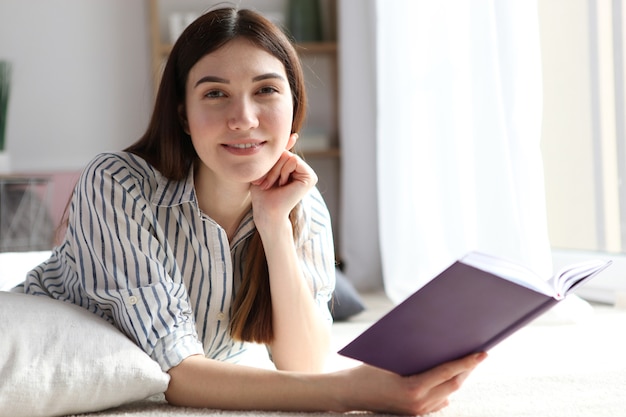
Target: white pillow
x=57 y=358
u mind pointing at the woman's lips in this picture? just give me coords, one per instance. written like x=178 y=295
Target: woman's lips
x=247 y=148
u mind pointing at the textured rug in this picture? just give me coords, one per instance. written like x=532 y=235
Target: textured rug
x=569 y=363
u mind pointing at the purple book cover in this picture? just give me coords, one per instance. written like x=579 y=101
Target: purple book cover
x=461 y=311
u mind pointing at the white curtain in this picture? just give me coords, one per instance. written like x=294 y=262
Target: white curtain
x=459 y=103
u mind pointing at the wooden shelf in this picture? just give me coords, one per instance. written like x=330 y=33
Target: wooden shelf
x=317 y=48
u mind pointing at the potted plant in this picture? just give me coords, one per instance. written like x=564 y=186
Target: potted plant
x=5 y=84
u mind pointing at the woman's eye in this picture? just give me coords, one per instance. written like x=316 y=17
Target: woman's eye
x=214 y=94
x=268 y=90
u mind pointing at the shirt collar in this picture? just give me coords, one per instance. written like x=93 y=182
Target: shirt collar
x=173 y=192
x=170 y=193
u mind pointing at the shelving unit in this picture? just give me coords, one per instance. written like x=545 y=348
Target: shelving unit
x=319 y=61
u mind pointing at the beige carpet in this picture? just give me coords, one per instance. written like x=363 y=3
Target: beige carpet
x=569 y=363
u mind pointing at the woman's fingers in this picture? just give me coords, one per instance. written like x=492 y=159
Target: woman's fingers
x=439 y=394
x=433 y=387
x=449 y=376
x=289 y=167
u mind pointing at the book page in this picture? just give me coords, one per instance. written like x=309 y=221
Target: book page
x=509 y=270
x=574 y=275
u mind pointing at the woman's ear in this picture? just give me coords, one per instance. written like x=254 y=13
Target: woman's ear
x=182 y=117
x=293 y=138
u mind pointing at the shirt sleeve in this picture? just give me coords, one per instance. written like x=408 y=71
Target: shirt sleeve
x=124 y=263
x=316 y=249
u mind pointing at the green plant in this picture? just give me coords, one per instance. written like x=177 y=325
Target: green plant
x=5 y=86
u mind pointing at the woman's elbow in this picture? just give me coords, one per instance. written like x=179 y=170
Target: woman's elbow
x=180 y=390
x=174 y=392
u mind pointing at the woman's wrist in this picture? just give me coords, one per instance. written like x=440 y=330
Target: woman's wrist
x=275 y=231
x=332 y=388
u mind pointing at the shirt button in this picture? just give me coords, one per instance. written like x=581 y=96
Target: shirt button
x=132 y=300
x=221 y=316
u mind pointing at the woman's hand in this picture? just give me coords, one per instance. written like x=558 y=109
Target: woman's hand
x=378 y=390
x=276 y=193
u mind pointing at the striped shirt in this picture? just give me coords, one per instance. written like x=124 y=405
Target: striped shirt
x=139 y=252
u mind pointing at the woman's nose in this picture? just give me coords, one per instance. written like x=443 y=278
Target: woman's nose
x=243 y=115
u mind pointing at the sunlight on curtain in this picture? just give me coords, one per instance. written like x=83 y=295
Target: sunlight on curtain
x=459 y=124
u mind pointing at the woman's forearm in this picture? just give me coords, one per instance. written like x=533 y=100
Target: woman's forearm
x=205 y=383
x=301 y=334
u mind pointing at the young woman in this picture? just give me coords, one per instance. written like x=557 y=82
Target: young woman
x=208 y=234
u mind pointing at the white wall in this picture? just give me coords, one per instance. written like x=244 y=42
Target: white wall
x=81 y=79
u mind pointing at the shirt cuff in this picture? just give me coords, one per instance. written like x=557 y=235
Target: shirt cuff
x=170 y=350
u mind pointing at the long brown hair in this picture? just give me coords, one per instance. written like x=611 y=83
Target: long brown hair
x=168 y=148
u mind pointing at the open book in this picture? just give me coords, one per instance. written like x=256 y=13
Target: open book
x=469 y=307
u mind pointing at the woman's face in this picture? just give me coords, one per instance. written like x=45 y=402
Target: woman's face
x=238 y=111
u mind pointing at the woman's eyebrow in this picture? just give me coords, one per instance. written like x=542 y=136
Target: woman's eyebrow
x=215 y=79
x=269 y=75
x=211 y=79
